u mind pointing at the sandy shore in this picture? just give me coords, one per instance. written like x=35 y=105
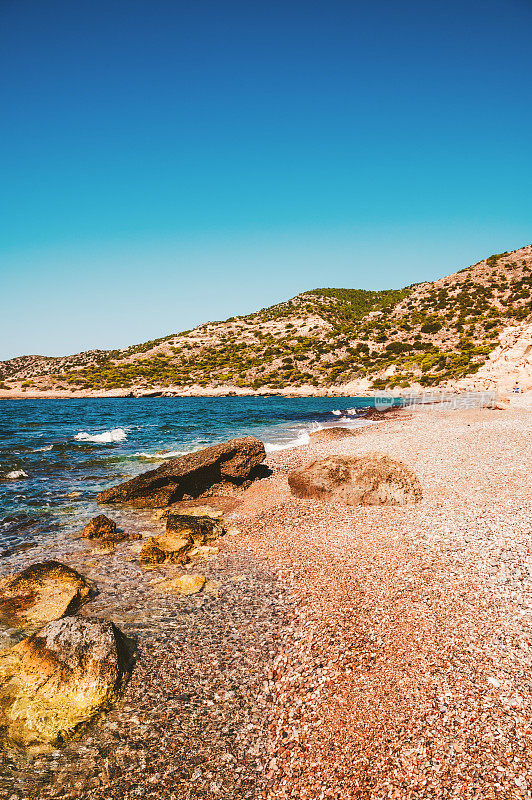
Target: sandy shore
x=368 y=653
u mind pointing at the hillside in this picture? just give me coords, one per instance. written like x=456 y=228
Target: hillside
x=427 y=334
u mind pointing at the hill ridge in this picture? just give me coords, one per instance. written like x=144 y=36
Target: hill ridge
x=427 y=334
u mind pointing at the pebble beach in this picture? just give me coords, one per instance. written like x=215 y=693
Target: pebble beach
x=335 y=651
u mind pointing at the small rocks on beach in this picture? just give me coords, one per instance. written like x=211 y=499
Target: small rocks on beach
x=186 y=535
x=333 y=433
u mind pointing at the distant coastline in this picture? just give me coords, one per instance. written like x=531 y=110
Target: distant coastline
x=333 y=391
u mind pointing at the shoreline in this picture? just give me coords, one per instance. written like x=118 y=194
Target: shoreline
x=165 y=393
x=225 y=392
x=341 y=640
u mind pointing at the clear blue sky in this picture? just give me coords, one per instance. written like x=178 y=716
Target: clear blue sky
x=164 y=163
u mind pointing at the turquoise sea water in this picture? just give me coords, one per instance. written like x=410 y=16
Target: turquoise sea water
x=55 y=455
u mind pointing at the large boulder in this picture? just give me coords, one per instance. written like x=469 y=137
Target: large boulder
x=41 y=593
x=373 y=479
x=58 y=678
x=218 y=469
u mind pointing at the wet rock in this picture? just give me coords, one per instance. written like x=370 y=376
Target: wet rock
x=203 y=553
x=212 y=587
x=167 y=548
x=331 y=434
x=222 y=468
x=184 y=584
x=222 y=503
x=373 y=479
x=41 y=593
x=101 y=527
x=59 y=678
x=187 y=535
x=206 y=525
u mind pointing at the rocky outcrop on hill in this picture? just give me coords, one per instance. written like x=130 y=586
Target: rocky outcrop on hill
x=509 y=365
x=373 y=479
x=41 y=593
x=223 y=468
x=59 y=678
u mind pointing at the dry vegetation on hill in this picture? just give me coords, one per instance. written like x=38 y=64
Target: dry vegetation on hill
x=428 y=333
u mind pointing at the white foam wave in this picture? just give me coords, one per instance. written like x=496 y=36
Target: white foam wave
x=162 y=454
x=16 y=474
x=107 y=437
x=336 y=412
x=43 y=449
x=273 y=447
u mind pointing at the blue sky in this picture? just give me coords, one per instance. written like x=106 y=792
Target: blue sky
x=163 y=163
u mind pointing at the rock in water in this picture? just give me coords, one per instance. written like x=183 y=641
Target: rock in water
x=206 y=526
x=41 y=593
x=58 y=678
x=168 y=548
x=184 y=532
x=226 y=466
x=184 y=584
x=373 y=479
x=101 y=527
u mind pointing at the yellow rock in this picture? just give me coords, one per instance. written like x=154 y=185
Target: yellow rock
x=59 y=678
x=193 y=511
x=168 y=547
x=184 y=584
x=204 y=511
x=212 y=587
x=203 y=551
x=41 y=593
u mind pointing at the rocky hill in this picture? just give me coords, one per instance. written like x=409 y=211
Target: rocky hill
x=429 y=334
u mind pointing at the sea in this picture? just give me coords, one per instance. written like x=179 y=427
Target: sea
x=56 y=455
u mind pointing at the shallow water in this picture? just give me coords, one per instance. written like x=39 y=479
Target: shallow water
x=55 y=455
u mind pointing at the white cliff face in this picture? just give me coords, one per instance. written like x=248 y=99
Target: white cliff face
x=509 y=364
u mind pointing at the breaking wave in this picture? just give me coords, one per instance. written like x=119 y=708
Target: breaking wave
x=161 y=455
x=273 y=447
x=107 y=437
x=16 y=474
